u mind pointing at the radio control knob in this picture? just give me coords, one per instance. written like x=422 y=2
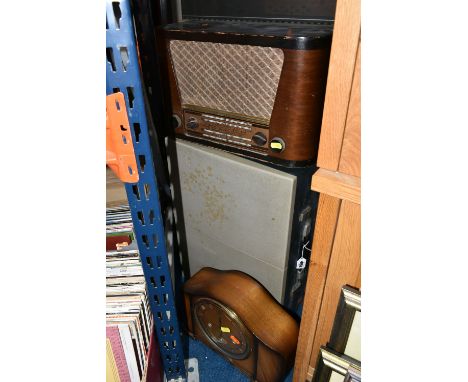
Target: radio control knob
x=277 y=145
x=192 y=123
x=176 y=122
x=259 y=139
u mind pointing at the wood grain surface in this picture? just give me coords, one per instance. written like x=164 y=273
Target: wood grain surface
x=275 y=330
x=297 y=112
x=350 y=160
x=344 y=269
x=338 y=180
x=176 y=102
x=327 y=216
x=340 y=74
x=336 y=184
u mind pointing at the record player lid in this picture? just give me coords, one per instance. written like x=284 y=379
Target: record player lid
x=288 y=35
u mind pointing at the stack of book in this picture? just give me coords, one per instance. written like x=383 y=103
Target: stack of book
x=128 y=316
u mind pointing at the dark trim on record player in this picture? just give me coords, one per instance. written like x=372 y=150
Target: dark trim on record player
x=251 y=35
x=318 y=21
x=242 y=153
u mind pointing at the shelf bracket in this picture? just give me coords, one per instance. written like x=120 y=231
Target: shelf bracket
x=120 y=154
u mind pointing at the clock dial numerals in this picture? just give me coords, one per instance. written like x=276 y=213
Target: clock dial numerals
x=221 y=326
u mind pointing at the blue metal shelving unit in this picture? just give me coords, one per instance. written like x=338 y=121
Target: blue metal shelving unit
x=123 y=74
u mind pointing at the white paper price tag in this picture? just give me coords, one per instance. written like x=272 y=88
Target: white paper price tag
x=301 y=263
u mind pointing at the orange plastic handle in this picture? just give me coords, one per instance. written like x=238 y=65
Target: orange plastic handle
x=120 y=154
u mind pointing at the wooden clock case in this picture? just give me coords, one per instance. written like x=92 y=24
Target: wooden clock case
x=271 y=332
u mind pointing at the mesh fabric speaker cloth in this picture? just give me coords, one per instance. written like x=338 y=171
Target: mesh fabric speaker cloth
x=240 y=79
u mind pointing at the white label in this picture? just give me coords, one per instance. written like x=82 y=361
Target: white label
x=301 y=263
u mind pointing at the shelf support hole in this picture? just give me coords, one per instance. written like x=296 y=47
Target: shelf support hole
x=136 y=192
x=110 y=58
x=142 y=160
x=149 y=261
x=141 y=217
x=144 y=238
x=131 y=96
x=124 y=57
x=117 y=13
x=146 y=188
x=137 y=129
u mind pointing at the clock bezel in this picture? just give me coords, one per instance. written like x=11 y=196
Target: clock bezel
x=246 y=333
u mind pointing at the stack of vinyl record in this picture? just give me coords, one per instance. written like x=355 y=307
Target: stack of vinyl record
x=128 y=316
x=119 y=228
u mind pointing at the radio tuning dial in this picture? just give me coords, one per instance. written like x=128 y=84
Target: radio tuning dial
x=259 y=139
x=192 y=123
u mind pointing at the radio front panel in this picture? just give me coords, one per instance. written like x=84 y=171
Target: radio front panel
x=249 y=136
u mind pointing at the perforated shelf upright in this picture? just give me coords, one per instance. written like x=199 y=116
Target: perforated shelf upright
x=123 y=74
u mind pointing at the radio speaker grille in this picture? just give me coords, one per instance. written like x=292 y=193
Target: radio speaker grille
x=240 y=79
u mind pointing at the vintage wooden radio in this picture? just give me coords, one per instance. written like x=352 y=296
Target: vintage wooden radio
x=233 y=314
x=253 y=88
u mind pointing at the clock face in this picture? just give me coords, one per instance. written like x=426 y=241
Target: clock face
x=221 y=326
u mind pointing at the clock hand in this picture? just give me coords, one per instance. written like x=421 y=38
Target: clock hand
x=219 y=327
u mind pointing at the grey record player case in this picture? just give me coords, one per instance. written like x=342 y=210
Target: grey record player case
x=245 y=215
